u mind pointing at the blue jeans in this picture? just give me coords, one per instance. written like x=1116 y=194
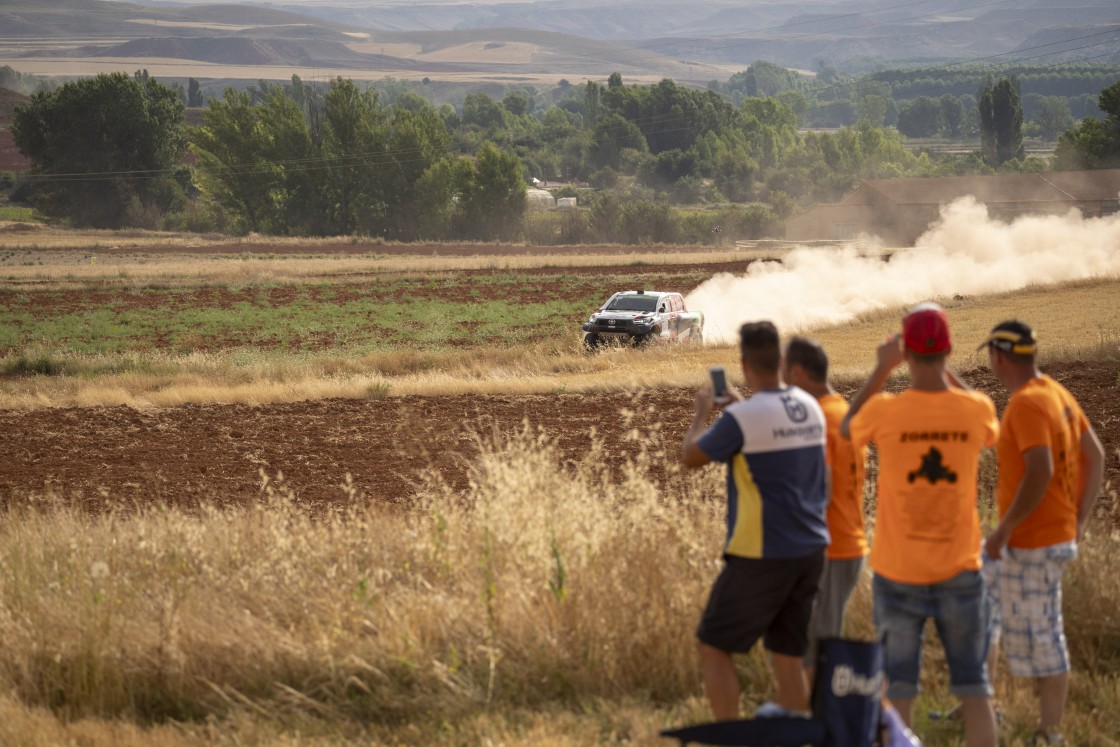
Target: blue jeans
x=958 y=608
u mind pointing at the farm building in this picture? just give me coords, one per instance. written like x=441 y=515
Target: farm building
x=540 y=199
x=898 y=211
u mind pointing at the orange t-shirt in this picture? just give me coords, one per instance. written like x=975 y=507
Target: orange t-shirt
x=927 y=524
x=1042 y=412
x=848 y=468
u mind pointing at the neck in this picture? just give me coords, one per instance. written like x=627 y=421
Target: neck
x=928 y=378
x=760 y=381
x=1019 y=376
x=816 y=388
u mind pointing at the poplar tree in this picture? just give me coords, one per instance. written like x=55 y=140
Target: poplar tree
x=1001 y=121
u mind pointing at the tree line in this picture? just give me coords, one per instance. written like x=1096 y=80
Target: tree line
x=667 y=162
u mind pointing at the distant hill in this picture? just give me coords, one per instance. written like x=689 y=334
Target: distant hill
x=693 y=42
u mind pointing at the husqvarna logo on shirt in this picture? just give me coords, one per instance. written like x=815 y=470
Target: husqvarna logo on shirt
x=796 y=410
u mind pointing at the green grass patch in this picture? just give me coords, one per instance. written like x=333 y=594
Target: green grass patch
x=452 y=311
x=20 y=214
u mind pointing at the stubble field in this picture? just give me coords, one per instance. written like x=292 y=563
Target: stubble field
x=312 y=494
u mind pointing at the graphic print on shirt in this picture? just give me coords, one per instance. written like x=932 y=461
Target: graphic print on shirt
x=795 y=409
x=933 y=468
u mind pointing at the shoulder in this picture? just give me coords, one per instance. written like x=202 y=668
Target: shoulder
x=976 y=399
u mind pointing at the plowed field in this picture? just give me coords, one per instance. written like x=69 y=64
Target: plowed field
x=216 y=452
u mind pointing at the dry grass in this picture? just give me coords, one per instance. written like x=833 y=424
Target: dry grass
x=550 y=604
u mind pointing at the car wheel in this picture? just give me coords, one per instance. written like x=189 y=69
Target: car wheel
x=591 y=342
x=696 y=335
x=640 y=341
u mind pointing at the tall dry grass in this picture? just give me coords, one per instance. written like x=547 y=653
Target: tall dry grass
x=550 y=602
x=543 y=584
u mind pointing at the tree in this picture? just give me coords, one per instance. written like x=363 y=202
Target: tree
x=921 y=118
x=1053 y=116
x=195 y=98
x=1001 y=121
x=251 y=158
x=353 y=144
x=492 y=195
x=871 y=101
x=482 y=111
x=952 y=113
x=103 y=147
x=1094 y=143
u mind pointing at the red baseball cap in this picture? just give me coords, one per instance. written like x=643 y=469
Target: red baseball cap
x=925 y=329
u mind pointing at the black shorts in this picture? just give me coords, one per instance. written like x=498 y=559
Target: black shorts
x=768 y=599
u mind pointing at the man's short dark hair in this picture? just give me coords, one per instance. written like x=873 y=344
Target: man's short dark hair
x=760 y=347
x=801 y=351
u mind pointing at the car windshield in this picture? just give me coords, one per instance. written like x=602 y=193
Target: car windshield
x=633 y=303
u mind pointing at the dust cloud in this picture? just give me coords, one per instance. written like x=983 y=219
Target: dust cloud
x=965 y=252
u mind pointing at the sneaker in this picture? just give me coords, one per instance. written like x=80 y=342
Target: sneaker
x=1047 y=738
x=954 y=714
x=770 y=709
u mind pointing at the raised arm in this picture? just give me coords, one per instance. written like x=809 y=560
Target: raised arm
x=888 y=355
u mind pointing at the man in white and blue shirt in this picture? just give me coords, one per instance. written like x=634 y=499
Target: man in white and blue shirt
x=777 y=497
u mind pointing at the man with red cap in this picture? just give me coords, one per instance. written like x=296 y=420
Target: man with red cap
x=926 y=550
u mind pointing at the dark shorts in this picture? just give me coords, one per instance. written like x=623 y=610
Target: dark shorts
x=768 y=599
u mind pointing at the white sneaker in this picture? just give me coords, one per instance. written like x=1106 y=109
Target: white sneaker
x=770 y=709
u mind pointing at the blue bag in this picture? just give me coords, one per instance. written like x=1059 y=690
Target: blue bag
x=847 y=691
x=847 y=708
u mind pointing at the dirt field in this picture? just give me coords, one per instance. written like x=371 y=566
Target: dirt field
x=216 y=452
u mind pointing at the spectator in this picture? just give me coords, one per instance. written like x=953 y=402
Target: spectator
x=806 y=366
x=926 y=551
x=773 y=445
x=1050 y=470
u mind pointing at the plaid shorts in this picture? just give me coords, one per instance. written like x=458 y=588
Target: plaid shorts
x=1025 y=588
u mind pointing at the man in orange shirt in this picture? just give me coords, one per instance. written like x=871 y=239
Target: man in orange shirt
x=1050 y=470
x=926 y=551
x=806 y=366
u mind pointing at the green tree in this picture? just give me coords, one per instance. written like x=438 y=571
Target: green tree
x=1053 y=116
x=253 y=161
x=353 y=148
x=952 y=114
x=492 y=195
x=921 y=118
x=1094 y=143
x=482 y=111
x=102 y=148
x=871 y=101
x=417 y=142
x=195 y=98
x=1001 y=121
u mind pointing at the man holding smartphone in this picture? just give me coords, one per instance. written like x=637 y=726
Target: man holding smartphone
x=774 y=446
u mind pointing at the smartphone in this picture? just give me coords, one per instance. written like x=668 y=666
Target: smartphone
x=719 y=385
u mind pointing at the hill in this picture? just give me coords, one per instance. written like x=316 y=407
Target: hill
x=691 y=42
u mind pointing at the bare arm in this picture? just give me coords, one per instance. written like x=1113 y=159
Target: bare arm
x=888 y=356
x=692 y=456
x=1092 y=472
x=1038 y=471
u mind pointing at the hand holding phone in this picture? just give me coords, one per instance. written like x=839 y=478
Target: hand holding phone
x=719 y=385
